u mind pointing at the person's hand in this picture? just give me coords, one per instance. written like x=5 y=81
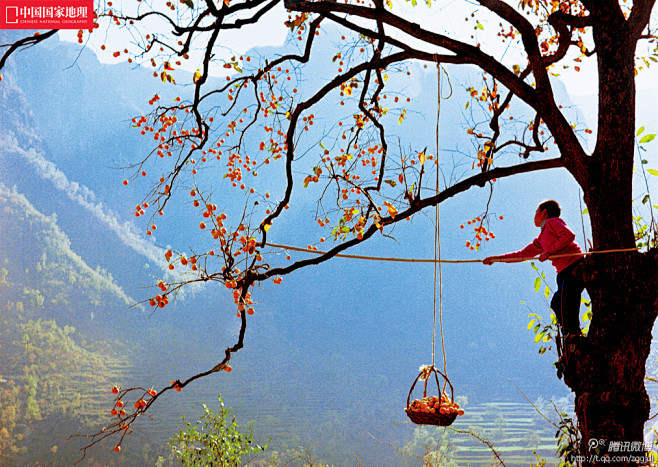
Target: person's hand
x=489 y=260
x=544 y=256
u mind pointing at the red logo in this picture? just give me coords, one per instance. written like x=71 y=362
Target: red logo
x=46 y=14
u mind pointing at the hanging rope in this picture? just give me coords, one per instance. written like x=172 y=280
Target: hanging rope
x=437 y=240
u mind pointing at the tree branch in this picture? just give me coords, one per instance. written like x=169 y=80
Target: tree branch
x=416 y=206
x=562 y=22
x=640 y=16
x=301 y=107
x=540 y=99
x=24 y=43
x=467 y=53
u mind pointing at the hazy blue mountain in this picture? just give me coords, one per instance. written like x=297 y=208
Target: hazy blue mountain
x=57 y=354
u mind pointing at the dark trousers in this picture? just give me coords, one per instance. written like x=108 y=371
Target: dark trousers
x=566 y=301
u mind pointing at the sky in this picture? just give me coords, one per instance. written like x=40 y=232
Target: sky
x=450 y=17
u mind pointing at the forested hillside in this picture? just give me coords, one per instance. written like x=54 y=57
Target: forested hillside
x=52 y=372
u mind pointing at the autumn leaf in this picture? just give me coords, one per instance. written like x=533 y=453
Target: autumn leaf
x=391 y=210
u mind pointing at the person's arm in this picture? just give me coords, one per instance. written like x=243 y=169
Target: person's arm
x=517 y=256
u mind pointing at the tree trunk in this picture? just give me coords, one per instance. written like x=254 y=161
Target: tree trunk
x=606 y=369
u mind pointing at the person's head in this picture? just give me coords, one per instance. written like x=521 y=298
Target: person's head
x=546 y=210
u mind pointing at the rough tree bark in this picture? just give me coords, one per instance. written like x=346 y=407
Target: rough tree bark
x=606 y=369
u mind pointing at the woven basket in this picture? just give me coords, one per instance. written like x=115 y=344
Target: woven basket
x=422 y=418
x=425 y=418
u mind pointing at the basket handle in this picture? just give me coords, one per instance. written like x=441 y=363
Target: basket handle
x=447 y=380
x=435 y=372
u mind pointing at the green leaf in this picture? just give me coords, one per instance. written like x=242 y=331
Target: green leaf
x=532 y=264
x=479 y=26
x=536 y=328
x=639 y=132
x=585 y=211
x=645 y=162
x=539 y=336
x=648 y=138
x=547 y=291
x=530 y=324
x=646 y=199
x=653 y=172
x=537 y=284
x=189 y=3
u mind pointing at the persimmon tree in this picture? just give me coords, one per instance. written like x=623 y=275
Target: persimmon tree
x=256 y=130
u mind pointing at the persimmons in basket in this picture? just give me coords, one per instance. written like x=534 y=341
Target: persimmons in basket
x=432 y=410
x=436 y=405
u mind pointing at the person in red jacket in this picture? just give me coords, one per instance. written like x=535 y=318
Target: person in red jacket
x=555 y=239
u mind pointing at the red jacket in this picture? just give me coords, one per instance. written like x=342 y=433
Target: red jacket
x=556 y=239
